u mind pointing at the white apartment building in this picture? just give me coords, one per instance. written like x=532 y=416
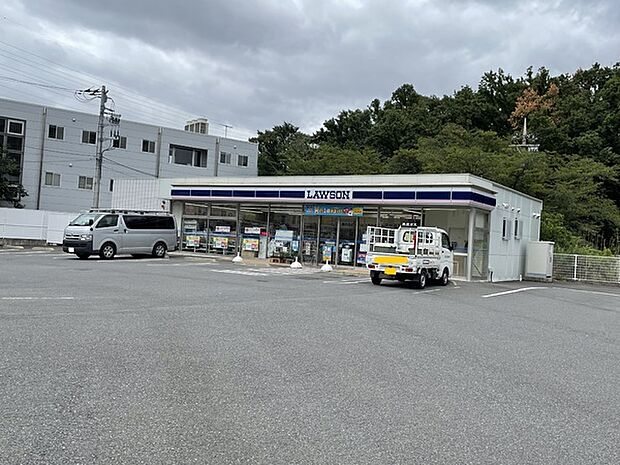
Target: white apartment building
x=56 y=150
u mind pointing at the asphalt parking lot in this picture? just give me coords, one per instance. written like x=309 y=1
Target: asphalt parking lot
x=186 y=360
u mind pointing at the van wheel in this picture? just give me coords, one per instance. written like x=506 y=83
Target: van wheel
x=83 y=256
x=375 y=278
x=159 y=251
x=422 y=280
x=445 y=277
x=107 y=251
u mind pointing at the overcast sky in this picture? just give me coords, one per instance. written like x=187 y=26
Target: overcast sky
x=254 y=64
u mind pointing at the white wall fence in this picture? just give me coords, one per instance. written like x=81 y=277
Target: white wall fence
x=37 y=225
x=586 y=268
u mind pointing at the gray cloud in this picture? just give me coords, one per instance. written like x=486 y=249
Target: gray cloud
x=302 y=61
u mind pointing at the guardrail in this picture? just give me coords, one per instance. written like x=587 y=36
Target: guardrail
x=586 y=268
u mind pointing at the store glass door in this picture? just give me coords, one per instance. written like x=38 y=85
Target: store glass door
x=309 y=240
x=327 y=239
x=346 y=243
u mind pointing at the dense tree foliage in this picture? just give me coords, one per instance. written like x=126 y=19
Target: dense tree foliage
x=574 y=119
x=10 y=191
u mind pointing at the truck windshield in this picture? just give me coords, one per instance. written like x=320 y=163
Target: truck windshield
x=85 y=219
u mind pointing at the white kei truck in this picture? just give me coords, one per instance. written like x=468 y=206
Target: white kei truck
x=412 y=253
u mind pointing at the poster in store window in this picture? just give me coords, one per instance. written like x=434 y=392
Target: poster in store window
x=250 y=245
x=192 y=241
x=222 y=229
x=219 y=242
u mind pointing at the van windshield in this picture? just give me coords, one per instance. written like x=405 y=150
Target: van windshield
x=85 y=219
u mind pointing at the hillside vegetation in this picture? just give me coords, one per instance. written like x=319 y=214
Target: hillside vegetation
x=573 y=118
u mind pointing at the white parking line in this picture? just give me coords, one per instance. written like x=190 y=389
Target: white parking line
x=357 y=281
x=37 y=298
x=513 y=291
x=245 y=273
x=611 y=294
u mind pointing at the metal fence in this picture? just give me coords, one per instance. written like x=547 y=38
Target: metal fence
x=586 y=268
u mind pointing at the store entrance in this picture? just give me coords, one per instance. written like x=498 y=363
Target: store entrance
x=327 y=239
x=346 y=241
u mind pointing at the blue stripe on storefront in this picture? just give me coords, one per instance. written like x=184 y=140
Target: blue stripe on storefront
x=357 y=195
x=292 y=194
x=221 y=193
x=244 y=194
x=200 y=193
x=369 y=195
x=399 y=195
x=180 y=192
x=267 y=194
x=433 y=195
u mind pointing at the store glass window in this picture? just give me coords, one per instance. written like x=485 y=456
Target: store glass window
x=394 y=217
x=224 y=211
x=284 y=229
x=222 y=236
x=253 y=230
x=195 y=234
x=369 y=219
x=195 y=209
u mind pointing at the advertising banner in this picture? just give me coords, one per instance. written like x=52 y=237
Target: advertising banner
x=222 y=229
x=192 y=241
x=333 y=210
x=250 y=245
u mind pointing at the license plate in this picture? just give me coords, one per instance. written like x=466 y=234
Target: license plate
x=71 y=250
x=390 y=271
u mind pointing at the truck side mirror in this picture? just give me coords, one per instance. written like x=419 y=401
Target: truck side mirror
x=451 y=248
x=90 y=222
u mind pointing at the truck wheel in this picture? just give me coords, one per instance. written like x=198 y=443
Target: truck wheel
x=422 y=280
x=375 y=278
x=445 y=277
x=107 y=251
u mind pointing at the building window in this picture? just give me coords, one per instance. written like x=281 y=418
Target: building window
x=111 y=185
x=148 y=146
x=56 y=132
x=517 y=229
x=15 y=127
x=89 y=137
x=52 y=179
x=225 y=158
x=505 y=229
x=85 y=182
x=188 y=156
x=120 y=143
x=243 y=160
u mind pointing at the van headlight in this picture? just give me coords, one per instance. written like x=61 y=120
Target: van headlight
x=86 y=237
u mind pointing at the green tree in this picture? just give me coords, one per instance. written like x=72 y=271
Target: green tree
x=10 y=189
x=271 y=147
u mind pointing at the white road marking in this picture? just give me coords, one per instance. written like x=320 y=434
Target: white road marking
x=37 y=298
x=513 y=291
x=38 y=252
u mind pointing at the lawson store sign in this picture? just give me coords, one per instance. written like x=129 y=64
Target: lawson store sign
x=409 y=196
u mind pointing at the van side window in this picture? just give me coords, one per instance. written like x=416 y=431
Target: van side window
x=148 y=222
x=445 y=241
x=108 y=221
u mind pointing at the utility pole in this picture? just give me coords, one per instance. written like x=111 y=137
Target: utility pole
x=99 y=156
x=226 y=126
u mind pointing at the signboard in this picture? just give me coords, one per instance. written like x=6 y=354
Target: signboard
x=332 y=210
x=328 y=194
x=252 y=230
x=284 y=235
x=222 y=229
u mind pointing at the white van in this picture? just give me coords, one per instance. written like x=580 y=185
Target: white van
x=112 y=232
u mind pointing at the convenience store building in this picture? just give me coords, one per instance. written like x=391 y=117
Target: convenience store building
x=324 y=218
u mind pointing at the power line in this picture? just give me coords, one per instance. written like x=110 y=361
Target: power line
x=38 y=84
